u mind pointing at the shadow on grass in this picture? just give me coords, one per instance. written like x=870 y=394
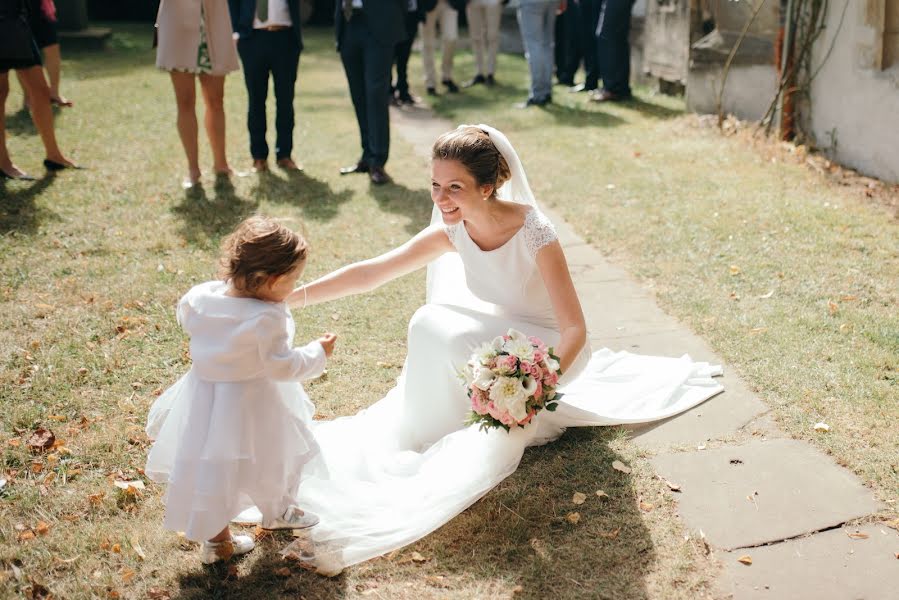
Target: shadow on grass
x=265 y=580
x=18 y=211
x=400 y=200
x=205 y=219
x=312 y=196
x=520 y=532
x=20 y=123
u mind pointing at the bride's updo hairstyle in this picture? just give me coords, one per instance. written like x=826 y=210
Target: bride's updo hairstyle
x=260 y=248
x=474 y=149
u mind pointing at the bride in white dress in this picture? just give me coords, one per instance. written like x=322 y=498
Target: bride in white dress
x=408 y=464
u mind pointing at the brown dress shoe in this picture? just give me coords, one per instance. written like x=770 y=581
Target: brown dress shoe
x=378 y=175
x=260 y=165
x=288 y=165
x=607 y=96
x=359 y=167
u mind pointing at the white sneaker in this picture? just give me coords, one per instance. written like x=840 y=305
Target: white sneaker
x=293 y=518
x=215 y=551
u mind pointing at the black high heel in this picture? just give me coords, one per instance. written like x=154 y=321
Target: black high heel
x=52 y=165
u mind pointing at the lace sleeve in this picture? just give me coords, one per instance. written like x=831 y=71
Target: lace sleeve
x=450 y=231
x=539 y=231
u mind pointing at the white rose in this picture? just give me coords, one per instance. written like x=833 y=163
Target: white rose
x=508 y=395
x=552 y=364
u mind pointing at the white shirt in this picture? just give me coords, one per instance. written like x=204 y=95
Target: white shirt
x=278 y=14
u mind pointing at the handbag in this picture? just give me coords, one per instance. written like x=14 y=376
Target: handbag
x=16 y=42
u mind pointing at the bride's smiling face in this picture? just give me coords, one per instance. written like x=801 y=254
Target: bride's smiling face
x=455 y=191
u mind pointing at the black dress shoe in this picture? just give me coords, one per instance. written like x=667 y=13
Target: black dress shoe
x=52 y=165
x=535 y=102
x=378 y=176
x=490 y=81
x=405 y=98
x=22 y=177
x=477 y=80
x=359 y=167
x=432 y=91
x=450 y=85
x=607 y=96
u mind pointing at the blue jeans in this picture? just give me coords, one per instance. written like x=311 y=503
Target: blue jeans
x=536 y=20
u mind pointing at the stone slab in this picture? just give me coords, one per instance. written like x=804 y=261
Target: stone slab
x=763 y=491
x=826 y=566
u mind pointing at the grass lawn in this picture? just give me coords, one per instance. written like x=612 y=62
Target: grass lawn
x=92 y=263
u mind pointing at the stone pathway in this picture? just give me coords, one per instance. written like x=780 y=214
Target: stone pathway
x=749 y=489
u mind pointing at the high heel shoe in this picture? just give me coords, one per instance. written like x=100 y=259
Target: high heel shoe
x=52 y=165
x=22 y=176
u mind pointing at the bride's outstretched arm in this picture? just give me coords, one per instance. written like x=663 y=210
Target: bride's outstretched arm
x=554 y=270
x=367 y=275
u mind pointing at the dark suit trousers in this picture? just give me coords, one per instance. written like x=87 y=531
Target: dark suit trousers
x=589 y=19
x=402 y=52
x=613 y=46
x=278 y=53
x=368 y=63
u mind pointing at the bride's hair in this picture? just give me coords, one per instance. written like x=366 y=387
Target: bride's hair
x=260 y=248
x=474 y=149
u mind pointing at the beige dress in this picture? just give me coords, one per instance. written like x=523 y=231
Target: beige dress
x=195 y=36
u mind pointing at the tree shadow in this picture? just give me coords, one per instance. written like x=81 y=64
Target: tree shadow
x=314 y=197
x=267 y=579
x=521 y=532
x=18 y=211
x=205 y=219
x=398 y=199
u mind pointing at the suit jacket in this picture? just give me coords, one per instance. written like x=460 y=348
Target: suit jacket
x=243 y=12
x=387 y=19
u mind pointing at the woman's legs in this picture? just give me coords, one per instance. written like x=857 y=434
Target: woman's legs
x=213 y=87
x=185 y=99
x=6 y=165
x=38 y=91
x=53 y=64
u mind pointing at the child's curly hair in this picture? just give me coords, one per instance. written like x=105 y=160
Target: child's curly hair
x=260 y=248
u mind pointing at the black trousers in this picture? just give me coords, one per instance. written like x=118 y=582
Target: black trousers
x=567 y=48
x=276 y=53
x=613 y=46
x=367 y=63
x=588 y=19
x=402 y=52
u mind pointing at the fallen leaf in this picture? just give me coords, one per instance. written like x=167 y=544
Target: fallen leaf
x=745 y=559
x=735 y=270
x=283 y=572
x=42 y=528
x=672 y=486
x=609 y=535
x=37 y=591
x=646 y=506
x=832 y=307
x=540 y=548
x=130 y=486
x=26 y=536
x=116 y=548
x=128 y=576
x=96 y=499
x=158 y=594
x=417 y=557
x=41 y=439
x=14 y=443
x=335 y=317
x=822 y=427
x=766 y=296
x=845 y=328
x=700 y=447
x=573 y=518
x=578 y=498
x=437 y=581
x=518 y=589
x=601 y=494
x=857 y=535
x=620 y=466
x=135 y=545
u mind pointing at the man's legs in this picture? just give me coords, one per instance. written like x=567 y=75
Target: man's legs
x=614 y=48
x=449 y=33
x=284 y=73
x=255 y=56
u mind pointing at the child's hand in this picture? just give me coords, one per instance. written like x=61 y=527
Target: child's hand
x=327 y=341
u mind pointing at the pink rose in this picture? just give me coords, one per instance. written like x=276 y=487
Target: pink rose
x=507 y=419
x=493 y=411
x=506 y=363
x=538 y=356
x=478 y=401
x=538 y=393
x=538 y=344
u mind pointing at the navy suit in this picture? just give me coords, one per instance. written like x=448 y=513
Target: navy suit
x=263 y=52
x=366 y=44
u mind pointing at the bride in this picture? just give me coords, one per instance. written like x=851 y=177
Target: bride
x=406 y=465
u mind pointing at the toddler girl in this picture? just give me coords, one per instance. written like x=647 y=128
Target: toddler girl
x=233 y=432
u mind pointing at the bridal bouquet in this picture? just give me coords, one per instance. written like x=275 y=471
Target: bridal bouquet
x=511 y=379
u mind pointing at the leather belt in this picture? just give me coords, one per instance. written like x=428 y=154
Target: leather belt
x=273 y=28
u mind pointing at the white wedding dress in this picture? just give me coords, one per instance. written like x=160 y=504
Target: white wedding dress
x=406 y=465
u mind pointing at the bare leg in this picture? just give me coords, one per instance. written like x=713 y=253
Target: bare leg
x=213 y=87
x=186 y=98
x=38 y=91
x=26 y=102
x=53 y=64
x=6 y=165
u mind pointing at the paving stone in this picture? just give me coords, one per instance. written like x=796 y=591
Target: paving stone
x=826 y=566
x=763 y=491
